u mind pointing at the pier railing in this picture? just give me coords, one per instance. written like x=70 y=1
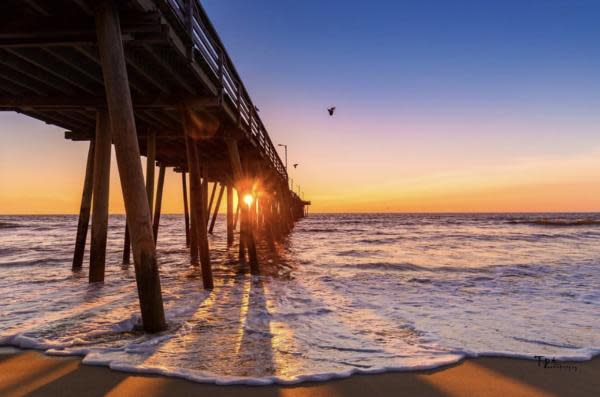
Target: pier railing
x=206 y=42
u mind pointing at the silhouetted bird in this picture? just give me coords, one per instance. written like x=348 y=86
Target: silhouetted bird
x=331 y=110
x=256 y=108
x=295 y=165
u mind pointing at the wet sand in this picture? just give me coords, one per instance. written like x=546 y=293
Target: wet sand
x=30 y=373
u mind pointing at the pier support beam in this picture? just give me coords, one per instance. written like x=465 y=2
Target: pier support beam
x=84 y=209
x=243 y=188
x=229 y=215
x=205 y=207
x=198 y=205
x=212 y=199
x=158 y=205
x=186 y=213
x=193 y=229
x=237 y=211
x=118 y=98
x=216 y=210
x=150 y=167
x=126 y=244
x=100 y=205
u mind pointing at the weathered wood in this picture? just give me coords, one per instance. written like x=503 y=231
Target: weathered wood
x=101 y=191
x=193 y=231
x=54 y=31
x=242 y=239
x=204 y=173
x=267 y=221
x=186 y=212
x=81 y=102
x=229 y=214
x=158 y=205
x=216 y=211
x=198 y=207
x=84 y=209
x=212 y=199
x=246 y=233
x=150 y=166
x=71 y=83
x=203 y=247
x=126 y=244
x=237 y=213
x=31 y=26
x=130 y=170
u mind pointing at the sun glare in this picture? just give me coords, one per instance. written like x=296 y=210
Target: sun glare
x=248 y=199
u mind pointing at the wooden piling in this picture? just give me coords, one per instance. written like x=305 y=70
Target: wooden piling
x=158 y=205
x=102 y=151
x=216 y=211
x=203 y=247
x=126 y=244
x=241 y=246
x=150 y=167
x=205 y=207
x=198 y=206
x=229 y=214
x=186 y=212
x=118 y=96
x=84 y=210
x=267 y=224
x=212 y=199
x=193 y=237
x=246 y=233
x=237 y=213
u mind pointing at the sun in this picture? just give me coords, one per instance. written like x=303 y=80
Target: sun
x=248 y=199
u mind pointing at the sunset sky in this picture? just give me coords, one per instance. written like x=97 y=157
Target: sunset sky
x=441 y=106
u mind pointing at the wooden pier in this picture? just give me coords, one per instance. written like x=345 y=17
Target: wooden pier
x=152 y=78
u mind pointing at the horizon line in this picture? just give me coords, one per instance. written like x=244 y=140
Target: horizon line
x=352 y=212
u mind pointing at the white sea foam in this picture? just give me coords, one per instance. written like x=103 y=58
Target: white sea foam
x=345 y=294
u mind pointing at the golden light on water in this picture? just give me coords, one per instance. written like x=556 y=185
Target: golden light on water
x=248 y=199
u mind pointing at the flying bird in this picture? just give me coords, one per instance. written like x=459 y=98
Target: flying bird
x=331 y=110
x=296 y=165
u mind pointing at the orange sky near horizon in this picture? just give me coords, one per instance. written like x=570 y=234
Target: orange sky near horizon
x=43 y=174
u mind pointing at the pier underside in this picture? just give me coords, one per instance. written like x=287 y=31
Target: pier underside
x=151 y=78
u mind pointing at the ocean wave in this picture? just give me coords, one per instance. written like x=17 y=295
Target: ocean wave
x=8 y=225
x=29 y=263
x=463 y=285
x=386 y=266
x=555 y=222
x=98 y=357
x=545 y=343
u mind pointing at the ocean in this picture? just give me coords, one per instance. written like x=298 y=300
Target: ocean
x=343 y=294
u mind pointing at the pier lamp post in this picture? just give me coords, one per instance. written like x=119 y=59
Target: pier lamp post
x=285 y=147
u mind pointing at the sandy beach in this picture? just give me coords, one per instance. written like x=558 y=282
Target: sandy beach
x=30 y=373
